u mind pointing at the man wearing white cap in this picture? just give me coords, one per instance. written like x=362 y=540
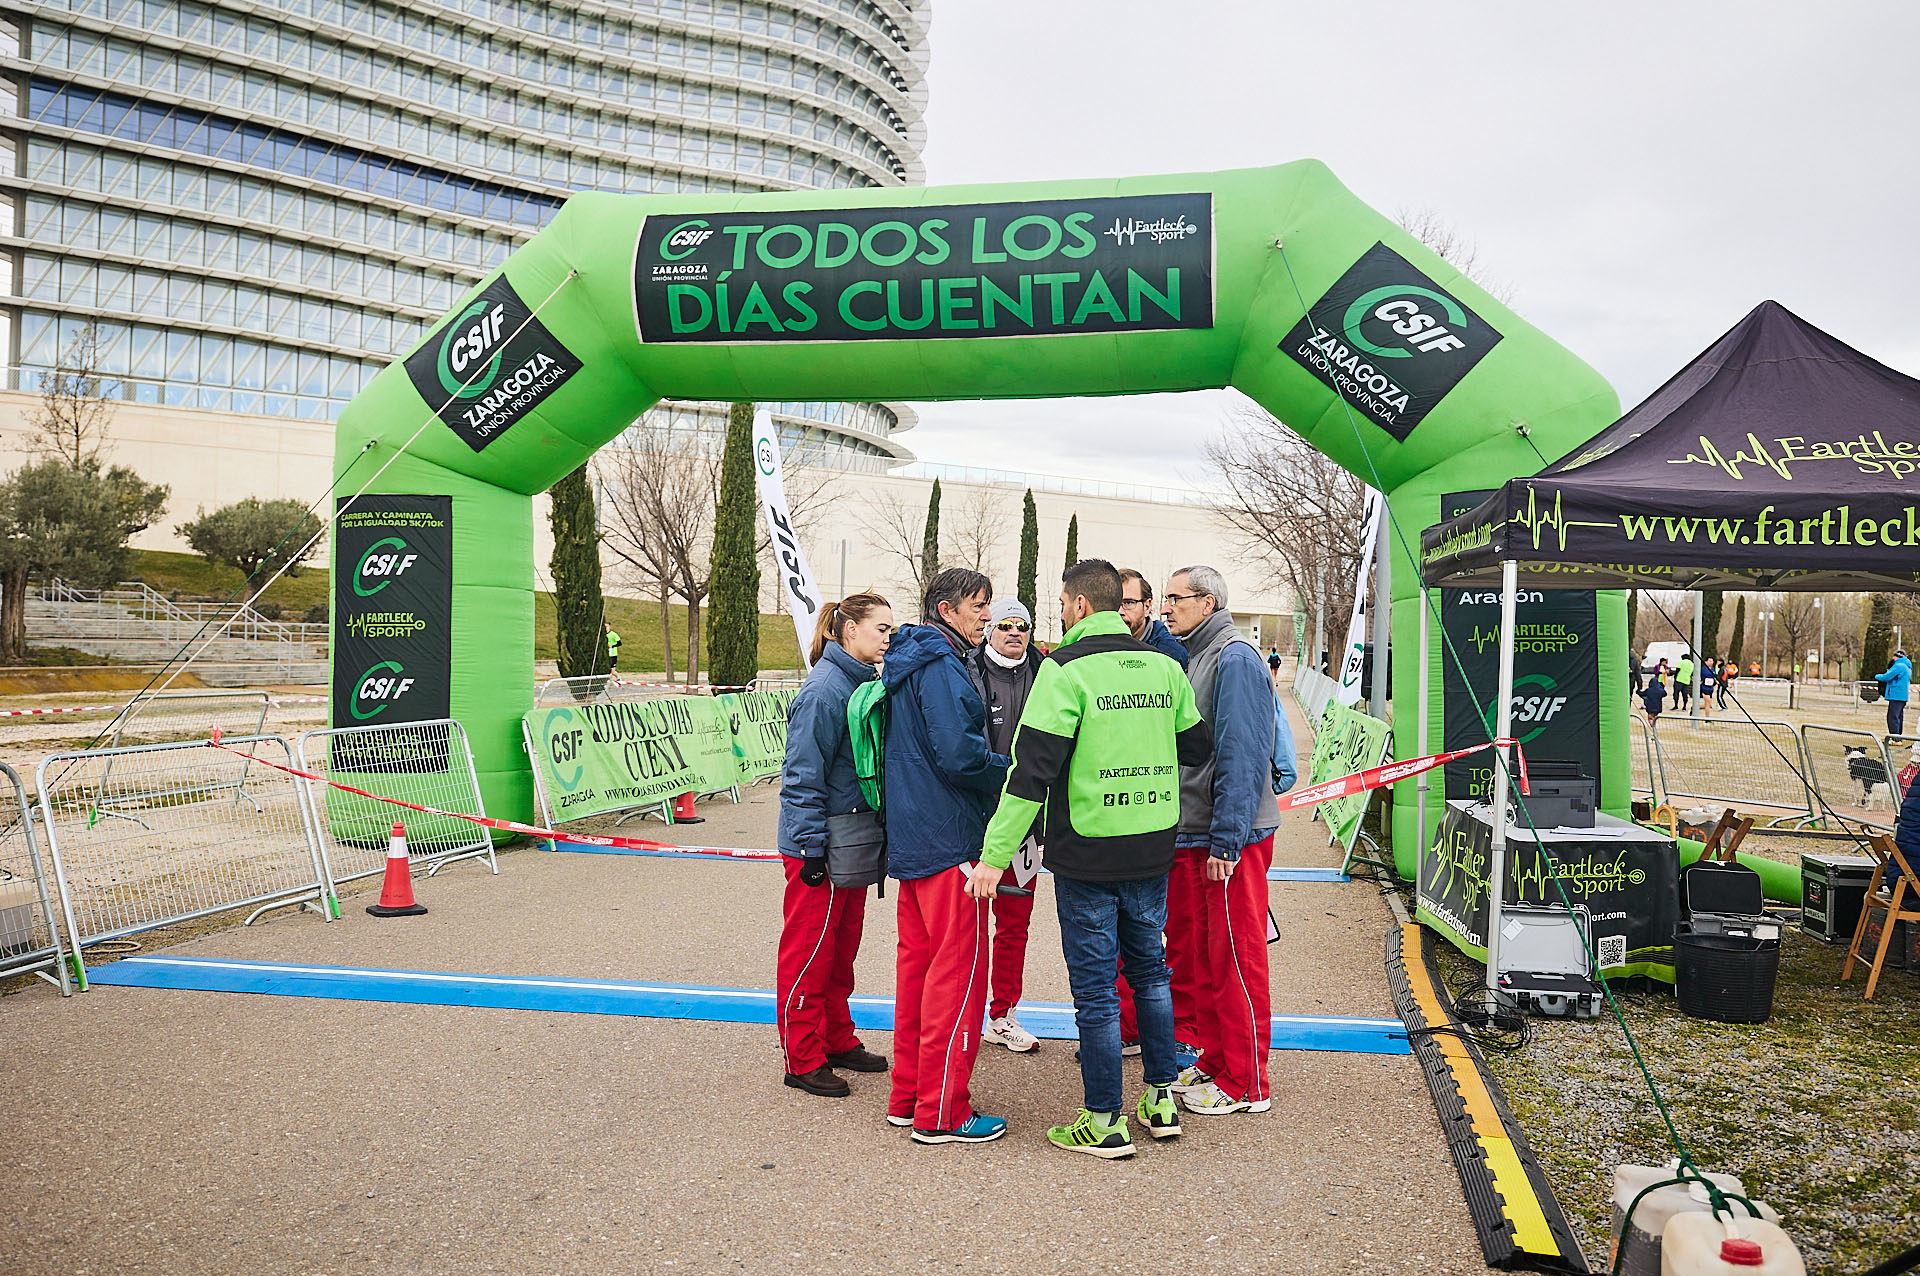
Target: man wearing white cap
x=1003 y=669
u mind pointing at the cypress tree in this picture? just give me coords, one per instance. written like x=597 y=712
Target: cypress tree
x=1633 y=617
x=1073 y=541
x=1030 y=557
x=930 y=542
x=1876 y=647
x=1736 y=645
x=577 y=604
x=1713 y=603
x=733 y=609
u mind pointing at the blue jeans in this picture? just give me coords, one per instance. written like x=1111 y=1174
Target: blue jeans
x=1101 y=924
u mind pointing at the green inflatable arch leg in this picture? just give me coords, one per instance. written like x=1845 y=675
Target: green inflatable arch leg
x=1408 y=375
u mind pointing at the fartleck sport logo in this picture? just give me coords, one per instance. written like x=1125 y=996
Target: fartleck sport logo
x=489 y=365
x=1390 y=341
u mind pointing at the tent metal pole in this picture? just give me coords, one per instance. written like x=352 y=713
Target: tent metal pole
x=1420 y=785
x=1382 y=611
x=1699 y=656
x=1503 y=728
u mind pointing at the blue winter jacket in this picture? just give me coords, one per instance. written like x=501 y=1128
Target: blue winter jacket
x=816 y=779
x=1897 y=678
x=1243 y=737
x=942 y=780
x=1161 y=639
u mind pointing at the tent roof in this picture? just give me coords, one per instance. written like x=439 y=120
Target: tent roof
x=1779 y=458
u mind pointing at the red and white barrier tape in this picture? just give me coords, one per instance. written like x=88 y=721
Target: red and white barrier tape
x=507 y=826
x=1390 y=773
x=115 y=708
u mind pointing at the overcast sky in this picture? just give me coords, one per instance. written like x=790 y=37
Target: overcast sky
x=1634 y=177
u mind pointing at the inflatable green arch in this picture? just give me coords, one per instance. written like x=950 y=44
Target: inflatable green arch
x=1029 y=290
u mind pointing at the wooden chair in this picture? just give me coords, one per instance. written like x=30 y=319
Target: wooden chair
x=1902 y=904
x=1733 y=827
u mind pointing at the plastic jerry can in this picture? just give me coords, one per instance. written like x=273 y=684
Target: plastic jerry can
x=1709 y=1245
x=1638 y=1246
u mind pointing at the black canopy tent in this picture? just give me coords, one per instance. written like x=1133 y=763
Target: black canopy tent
x=1779 y=459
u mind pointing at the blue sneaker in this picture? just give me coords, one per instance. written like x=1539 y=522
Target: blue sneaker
x=975 y=1129
x=1185 y=1056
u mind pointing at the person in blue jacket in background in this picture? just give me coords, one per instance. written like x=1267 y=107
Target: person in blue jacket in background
x=820 y=929
x=1894 y=685
x=942 y=784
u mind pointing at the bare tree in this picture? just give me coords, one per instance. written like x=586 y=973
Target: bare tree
x=1795 y=621
x=975 y=532
x=1426 y=225
x=660 y=487
x=1290 y=508
x=76 y=405
x=896 y=529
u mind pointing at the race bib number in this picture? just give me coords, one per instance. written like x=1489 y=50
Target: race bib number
x=1026 y=863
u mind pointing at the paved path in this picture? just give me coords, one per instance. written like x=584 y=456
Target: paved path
x=167 y=1131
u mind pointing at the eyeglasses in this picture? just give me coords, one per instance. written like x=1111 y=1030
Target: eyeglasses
x=1013 y=626
x=1133 y=602
x=1180 y=598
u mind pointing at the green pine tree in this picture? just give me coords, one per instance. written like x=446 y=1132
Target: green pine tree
x=577 y=604
x=930 y=541
x=1073 y=541
x=1713 y=603
x=1876 y=647
x=1736 y=645
x=1030 y=557
x=733 y=609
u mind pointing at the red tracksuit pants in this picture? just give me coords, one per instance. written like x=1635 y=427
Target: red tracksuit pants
x=1012 y=917
x=939 y=994
x=1186 y=950
x=1235 y=1009
x=819 y=938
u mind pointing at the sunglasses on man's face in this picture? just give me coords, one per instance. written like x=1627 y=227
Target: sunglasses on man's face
x=1013 y=626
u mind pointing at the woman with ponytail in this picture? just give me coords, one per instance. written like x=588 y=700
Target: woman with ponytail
x=821 y=804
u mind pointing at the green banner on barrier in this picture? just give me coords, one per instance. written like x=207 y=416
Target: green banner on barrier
x=757 y=721
x=1347 y=741
x=596 y=758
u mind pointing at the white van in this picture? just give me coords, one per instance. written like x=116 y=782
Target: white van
x=1658 y=651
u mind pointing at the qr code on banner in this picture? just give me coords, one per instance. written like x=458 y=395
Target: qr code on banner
x=1612 y=951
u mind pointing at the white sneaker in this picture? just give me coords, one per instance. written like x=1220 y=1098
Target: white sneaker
x=1211 y=1100
x=1191 y=1078
x=1007 y=1031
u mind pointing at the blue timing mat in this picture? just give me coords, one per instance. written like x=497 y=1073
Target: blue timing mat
x=637 y=998
x=1273 y=874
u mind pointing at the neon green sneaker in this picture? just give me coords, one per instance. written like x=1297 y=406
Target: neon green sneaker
x=1159 y=1113
x=1098 y=1134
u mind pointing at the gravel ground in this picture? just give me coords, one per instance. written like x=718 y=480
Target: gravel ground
x=1817 y=1111
x=223 y=1133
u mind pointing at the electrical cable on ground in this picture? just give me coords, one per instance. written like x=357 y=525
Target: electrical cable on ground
x=1687 y=1170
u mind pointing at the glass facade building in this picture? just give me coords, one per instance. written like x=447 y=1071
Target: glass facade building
x=261 y=203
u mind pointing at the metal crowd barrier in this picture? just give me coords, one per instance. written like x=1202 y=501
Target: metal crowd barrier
x=1736 y=761
x=29 y=933
x=1312 y=690
x=195 y=852
x=427 y=763
x=1856 y=787
x=1646 y=771
x=170 y=716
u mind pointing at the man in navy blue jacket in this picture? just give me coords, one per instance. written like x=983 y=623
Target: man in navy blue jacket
x=942 y=784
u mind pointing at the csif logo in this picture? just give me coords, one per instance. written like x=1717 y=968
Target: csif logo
x=767 y=456
x=565 y=746
x=384 y=560
x=685 y=239
x=380 y=686
x=1405 y=309
x=1536 y=704
x=476 y=335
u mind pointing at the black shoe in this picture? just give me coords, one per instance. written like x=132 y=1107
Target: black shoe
x=820 y=1081
x=858 y=1059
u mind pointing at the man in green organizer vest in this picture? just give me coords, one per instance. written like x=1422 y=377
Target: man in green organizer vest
x=1107 y=726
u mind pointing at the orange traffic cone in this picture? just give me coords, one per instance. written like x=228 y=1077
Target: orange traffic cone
x=683 y=812
x=396 y=892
